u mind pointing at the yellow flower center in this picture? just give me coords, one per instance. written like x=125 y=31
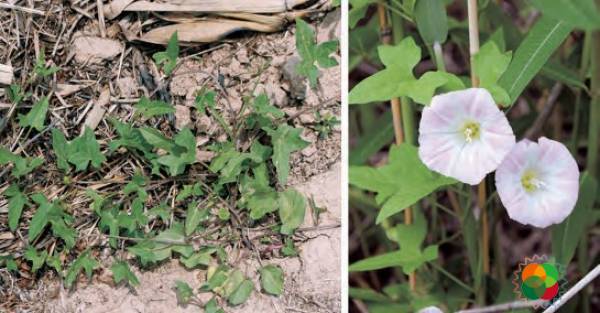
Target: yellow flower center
x=470 y=130
x=530 y=181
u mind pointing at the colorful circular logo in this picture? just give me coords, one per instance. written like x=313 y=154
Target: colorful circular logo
x=540 y=281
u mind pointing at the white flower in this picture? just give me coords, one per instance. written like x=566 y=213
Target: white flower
x=431 y=309
x=538 y=183
x=464 y=135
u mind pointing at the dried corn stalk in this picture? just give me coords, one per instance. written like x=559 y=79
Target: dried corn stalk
x=115 y=8
x=6 y=75
x=206 y=21
x=205 y=31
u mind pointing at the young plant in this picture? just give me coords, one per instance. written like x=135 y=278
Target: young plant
x=168 y=59
x=312 y=53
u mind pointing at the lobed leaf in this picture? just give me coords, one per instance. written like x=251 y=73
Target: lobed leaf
x=36 y=116
x=285 y=140
x=122 y=272
x=399 y=184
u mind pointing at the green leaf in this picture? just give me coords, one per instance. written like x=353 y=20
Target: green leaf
x=55 y=262
x=242 y=293
x=576 y=13
x=183 y=291
x=432 y=21
x=130 y=138
x=158 y=140
x=40 y=67
x=85 y=150
x=223 y=214
x=292 y=207
x=150 y=252
x=203 y=257
x=288 y=248
x=533 y=52
x=367 y=295
x=15 y=94
x=324 y=50
x=358 y=11
x=261 y=203
x=136 y=185
x=24 y=166
x=51 y=213
x=36 y=116
x=162 y=210
x=16 y=202
x=149 y=108
x=386 y=81
x=215 y=278
x=271 y=279
x=108 y=220
x=212 y=307
x=83 y=262
x=400 y=183
x=177 y=161
x=563 y=74
x=181 y=149
x=566 y=235
x=409 y=257
x=193 y=217
x=6 y=156
x=489 y=64
x=374 y=138
x=205 y=99
x=61 y=230
x=285 y=140
x=311 y=53
x=40 y=217
x=60 y=146
x=234 y=279
x=168 y=58
x=189 y=191
x=122 y=272
x=161 y=247
x=263 y=106
x=397 y=79
x=9 y=263
x=37 y=260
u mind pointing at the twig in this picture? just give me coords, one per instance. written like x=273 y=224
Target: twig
x=101 y=23
x=4 y=5
x=504 y=307
x=574 y=290
x=546 y=112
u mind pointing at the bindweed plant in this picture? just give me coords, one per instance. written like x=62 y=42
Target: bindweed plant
x=476 y=166
x=204 y=214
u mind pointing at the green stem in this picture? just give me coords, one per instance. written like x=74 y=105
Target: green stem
x=439 y=57
x=594 y=127
x=583 y=70
x=452 y=277
x=593 y=137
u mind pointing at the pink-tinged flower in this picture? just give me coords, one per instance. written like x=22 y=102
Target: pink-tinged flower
x=431 y=309
x=538 y=183
x=464 y=135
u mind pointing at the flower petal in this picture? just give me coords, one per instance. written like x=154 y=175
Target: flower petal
x=558 y=177
x=442 y=144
